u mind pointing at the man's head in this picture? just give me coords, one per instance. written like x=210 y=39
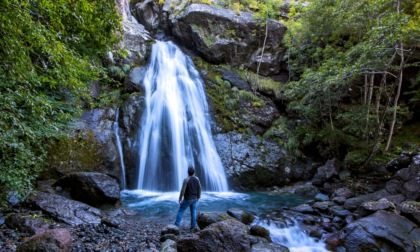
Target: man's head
x=191 y=171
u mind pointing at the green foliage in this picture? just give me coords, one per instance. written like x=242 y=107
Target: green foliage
x=285 y=134
x=260 y=83
x=336 y=49
x=48 y=52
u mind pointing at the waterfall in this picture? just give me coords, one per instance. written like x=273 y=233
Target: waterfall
x=175 y=131
x=119 y=147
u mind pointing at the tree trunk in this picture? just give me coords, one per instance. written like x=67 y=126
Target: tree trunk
x=262 y=52
x=396 y=98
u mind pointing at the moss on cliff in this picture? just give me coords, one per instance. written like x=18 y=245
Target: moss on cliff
x=81 y=152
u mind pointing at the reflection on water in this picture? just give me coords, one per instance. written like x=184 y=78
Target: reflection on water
x=159 y=206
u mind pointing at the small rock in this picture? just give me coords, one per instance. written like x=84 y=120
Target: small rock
x=170 y=229
x=268 y=247
x=168 y=246
x=321 y=197
x=52 y=240
x=304 y=208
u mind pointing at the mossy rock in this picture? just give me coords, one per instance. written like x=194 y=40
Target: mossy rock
x=260 y=232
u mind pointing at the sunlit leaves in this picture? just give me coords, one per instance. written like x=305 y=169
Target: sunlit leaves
x=49 y=50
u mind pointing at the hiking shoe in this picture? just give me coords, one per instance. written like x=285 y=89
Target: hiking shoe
x=194 y=229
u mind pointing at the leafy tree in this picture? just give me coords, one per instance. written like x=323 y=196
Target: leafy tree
x=49 y=51
x=350 y=58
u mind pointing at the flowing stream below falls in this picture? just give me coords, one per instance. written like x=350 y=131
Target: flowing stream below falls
x=162 y=207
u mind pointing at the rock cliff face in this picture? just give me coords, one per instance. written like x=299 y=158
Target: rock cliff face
x=217 y=35
x=222 y=36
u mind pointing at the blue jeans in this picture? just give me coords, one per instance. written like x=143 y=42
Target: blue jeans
x=193 y=209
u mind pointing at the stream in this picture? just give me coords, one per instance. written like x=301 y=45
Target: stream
x=162 y=207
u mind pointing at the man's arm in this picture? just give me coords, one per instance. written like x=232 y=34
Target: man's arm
x=184 y=186
x=199 y=189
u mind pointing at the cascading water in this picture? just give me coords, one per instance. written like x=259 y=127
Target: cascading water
x=294 y=238
x=175 y=131
x=119 y=147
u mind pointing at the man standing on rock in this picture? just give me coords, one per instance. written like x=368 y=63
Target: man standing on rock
x=191 y=192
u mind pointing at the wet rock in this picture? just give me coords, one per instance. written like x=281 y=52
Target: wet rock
x=166 y=237
x=65 y=210
x=52 y=240
x=393 y=187
x=382 y=231
x=241 y=215
x=322 y=206
x=355 y=202
x=326 y=172
x=170 y=229
x=396 y=199
x=340 y=212
x=131 y=112
x=402 y=161
x=91 y=187
x=260 y=231
x=135 y=79
x=339 y=200
x=192 y=243
x=304 y=208
x=411 y=189
x=147 y=14
x=253 y=163
x=205 y=219
x=404 y=175
x=343 y=192
x=268 y=247
x=411 y=209
x=110 y=222
x=321 y=197
x=228 y=235
x=382 y=204
x=95 y=128
x=168 y=246
x=26 y=224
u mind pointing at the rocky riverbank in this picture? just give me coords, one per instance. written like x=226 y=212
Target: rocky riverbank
x=349 y=212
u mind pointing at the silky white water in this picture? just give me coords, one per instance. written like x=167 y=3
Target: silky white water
x=175 y=131
x=293 y=237
x=120 y=151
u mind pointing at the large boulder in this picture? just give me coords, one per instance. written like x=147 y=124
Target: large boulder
x=326 y=172
x=382 y=231
x=58 y=240
x=228 y=235
x=91 y=187
x=205 y=219
x=92 y=146
x=65 y=210
x=223 y=36
x=252 y=163
x=26 y=224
